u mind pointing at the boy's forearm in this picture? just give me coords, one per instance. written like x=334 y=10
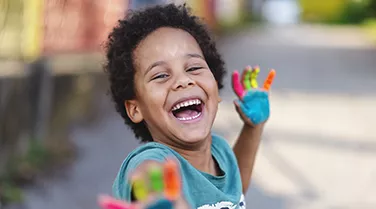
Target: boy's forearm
x=245 y=150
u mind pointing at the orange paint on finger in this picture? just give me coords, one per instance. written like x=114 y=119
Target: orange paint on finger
x=171 y=180
x=269 y=80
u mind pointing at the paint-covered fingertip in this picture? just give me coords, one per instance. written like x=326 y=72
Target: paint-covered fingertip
x=235 y=76
x=140 y=188
x=172 y=179
x=255 y=70
x=269 y=79
x=108 y=202
x=236 y=84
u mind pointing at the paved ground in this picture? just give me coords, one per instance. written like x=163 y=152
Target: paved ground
x=319 y=147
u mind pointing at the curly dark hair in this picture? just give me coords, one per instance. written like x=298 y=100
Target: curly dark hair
x=130 y=32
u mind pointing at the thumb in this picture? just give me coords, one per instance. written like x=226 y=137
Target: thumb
x=239 y=108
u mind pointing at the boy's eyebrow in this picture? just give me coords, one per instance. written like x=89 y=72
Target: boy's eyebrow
x=155 y=64
x=195 y=56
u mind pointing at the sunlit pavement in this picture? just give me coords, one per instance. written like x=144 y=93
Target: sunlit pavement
x=318 y=149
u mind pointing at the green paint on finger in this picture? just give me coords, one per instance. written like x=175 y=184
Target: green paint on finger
x=247 y=80
x=156 y=179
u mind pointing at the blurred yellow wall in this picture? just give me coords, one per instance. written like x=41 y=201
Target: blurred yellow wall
x=11 y=27
x=21 y=29
x=33 y=29
x=218 y=13
x=229 y=12
x=205 y=10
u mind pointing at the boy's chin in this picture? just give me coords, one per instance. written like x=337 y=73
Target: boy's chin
x=194 y=137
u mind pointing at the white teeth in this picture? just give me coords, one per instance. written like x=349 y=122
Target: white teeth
x=186 y=104
x=190 y=118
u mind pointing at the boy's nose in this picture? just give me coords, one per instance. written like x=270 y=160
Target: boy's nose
x=183 y=82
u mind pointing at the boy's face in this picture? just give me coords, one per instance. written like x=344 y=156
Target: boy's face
x=176 y=93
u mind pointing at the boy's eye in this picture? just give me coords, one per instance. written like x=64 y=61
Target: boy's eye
x=160 y=76
x=193 y=69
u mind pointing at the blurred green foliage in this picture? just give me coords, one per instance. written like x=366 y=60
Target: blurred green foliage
x=21 y=170
x=321 y=11
x=338 y=11
x=355 y=12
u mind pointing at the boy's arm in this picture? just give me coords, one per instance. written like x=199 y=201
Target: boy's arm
x=245 y=150
x=253 y=108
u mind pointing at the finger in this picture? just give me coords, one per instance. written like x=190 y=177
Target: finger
x=236 y=85
x=107 y=202
x=254 y=75
x=246 y=78
x=269 y=80
x=139 y=188
x=244 y=74
x=171 y=180
x=143 y=187
x=237 y=107
x=156 y=178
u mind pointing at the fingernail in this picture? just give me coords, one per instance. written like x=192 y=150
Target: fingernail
x=140 y=189
x=171 y=180
x=161 y=204
x=156 y=178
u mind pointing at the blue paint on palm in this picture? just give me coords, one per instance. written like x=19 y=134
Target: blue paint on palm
x=255 y=106
x=161 y=204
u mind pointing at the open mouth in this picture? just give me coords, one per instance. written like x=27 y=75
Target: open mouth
x=188 y=110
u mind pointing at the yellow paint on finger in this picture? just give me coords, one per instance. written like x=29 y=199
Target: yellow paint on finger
x=254 y=76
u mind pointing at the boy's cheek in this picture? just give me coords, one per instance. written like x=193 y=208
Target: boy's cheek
x=209 y=85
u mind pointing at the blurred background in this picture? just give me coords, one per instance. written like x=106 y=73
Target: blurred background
x=61 y=142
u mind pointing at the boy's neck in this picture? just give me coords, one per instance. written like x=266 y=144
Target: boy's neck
x=201 y=158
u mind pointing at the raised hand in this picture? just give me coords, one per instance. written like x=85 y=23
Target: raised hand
x=253 y=104
x=154 y=185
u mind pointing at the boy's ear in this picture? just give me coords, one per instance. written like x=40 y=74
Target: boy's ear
x=133 y=111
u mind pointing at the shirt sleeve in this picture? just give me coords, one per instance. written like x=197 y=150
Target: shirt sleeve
x=121 y=188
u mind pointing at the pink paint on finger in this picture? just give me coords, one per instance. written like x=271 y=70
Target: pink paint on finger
x=236 y=85
x=107 y=202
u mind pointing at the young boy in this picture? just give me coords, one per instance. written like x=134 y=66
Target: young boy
x=165 y=74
